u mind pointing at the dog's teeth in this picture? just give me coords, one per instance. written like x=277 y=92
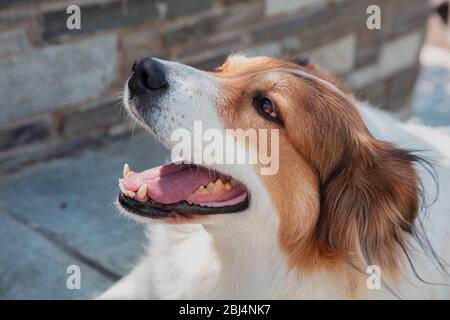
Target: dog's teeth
x=128 y=193
x=202 y=189
x=126 y=170
x=142 y=190
x=141 y=195
x=219 y=184
x=121 y=186
x=125 y=191
x=215 y=186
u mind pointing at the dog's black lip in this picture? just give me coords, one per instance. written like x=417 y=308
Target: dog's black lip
x=156 y=210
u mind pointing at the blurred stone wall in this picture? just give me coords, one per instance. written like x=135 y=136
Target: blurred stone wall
x=59 y=87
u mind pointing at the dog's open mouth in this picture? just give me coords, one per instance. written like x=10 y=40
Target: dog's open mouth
x=180 y=190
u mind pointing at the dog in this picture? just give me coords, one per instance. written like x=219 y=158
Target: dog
x=359 y=207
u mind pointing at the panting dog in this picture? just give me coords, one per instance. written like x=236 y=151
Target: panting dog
x=355 y=190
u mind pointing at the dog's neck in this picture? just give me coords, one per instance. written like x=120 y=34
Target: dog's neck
x=251 y=263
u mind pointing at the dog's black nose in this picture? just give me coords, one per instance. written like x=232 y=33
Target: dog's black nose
x=148 y=75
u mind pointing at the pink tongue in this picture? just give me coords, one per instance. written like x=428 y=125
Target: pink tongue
x=169 y=183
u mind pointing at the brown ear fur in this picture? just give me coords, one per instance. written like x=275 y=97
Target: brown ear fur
x=369 y=189
x=368 y=203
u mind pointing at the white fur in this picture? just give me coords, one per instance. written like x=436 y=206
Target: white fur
x=238 y=256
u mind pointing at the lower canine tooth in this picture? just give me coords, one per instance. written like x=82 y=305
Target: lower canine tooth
x=142 y=193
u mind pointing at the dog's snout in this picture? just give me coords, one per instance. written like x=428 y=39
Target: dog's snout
x=148 y=76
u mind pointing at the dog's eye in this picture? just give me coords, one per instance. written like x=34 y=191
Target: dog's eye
x=266 y=108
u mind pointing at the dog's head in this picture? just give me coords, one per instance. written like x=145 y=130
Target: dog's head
x=335 y=192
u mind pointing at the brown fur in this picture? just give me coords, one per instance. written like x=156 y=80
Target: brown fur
x=341 y=195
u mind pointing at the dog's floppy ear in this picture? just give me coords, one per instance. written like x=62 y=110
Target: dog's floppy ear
x=369 y=202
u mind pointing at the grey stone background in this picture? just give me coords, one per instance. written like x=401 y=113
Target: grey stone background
x=60 y=87
x=63 y=137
